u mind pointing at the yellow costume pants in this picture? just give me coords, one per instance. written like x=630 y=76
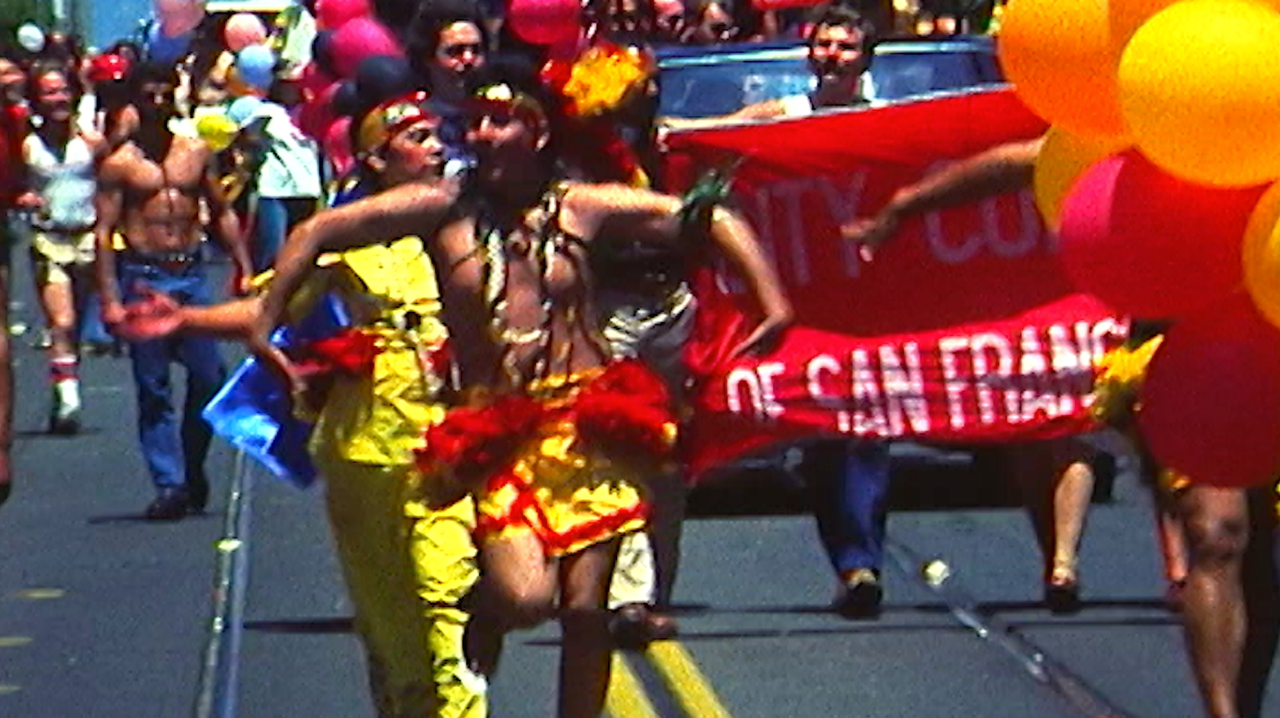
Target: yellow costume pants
x=406 y=567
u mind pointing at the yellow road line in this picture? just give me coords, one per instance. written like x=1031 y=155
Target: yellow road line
x=626 y=697
x=681 y=674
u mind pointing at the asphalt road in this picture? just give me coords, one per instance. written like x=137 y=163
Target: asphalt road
x=103 y=615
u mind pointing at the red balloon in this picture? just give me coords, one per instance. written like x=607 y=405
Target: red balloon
x=314 y=80
x=1210 y=405
x=545 y=22
x=333 y=14
x=360 y=38
x=316 y=115
x=1152 y=245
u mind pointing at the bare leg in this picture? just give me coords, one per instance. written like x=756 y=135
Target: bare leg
x=1057 y=484
x=1261 y=601
x=516 y=590
x=584 y=621
x=1217 y=531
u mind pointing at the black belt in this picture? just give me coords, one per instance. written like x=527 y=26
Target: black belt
x=161 y=259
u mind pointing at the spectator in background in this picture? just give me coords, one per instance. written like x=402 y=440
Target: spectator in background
x=60 y=158
x=715 y=22
x=670 y=22
x=153 y=190
x=287 y=187
x=446 y=44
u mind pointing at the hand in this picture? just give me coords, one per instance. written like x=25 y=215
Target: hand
x=28 y=201
x=113 y=313
x=767 y=334
x=869 y=233
x=155 y=316
x=273 y=358
x=241 y=283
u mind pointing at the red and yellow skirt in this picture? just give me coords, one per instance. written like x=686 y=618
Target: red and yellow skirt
x=564 y=460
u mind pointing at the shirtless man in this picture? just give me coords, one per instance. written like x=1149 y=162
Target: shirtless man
x=152 y=190
x=510 y=254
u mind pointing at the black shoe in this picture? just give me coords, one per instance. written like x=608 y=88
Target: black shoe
x=68 y=425
x=636 y=625
x=1063 y=599
x=169 y=505
x=197 y=493
x=861 y=595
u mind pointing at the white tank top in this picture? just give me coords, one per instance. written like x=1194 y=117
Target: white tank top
x=66 y=184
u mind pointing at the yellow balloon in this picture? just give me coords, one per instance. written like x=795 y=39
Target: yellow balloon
x=1063 y=157
x=218 y=131
x=1261 y=255
x=1200 y=91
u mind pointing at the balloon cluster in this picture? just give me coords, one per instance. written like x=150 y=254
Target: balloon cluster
x=357 y=61
x=1160 y=172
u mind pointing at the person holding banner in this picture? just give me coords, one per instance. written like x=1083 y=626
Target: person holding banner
x=841 y=41
x=1230 y=589
x=1057 y=509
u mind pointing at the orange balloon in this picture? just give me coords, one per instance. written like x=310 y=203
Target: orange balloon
x=1063 y=57
x=1063 y=157
x=1261 y=255
x=1060 y=56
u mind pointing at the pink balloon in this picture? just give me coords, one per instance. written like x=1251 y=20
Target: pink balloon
x=337 y=145
x=545 y=22
x=333 y=14
x=242 y=30
x=1149 y=244
x=1210 y=404
x=360 y=38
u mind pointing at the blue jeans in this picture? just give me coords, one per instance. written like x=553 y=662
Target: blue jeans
x=174 y=455
x=849 y=483
x=275 y=217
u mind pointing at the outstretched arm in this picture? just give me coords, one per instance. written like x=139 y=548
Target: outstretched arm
x=159 y=315
x=1003 y=168
x=408 y=209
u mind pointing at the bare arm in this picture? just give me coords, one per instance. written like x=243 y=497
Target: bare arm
x=736 y=240
x=1003 y=168
x=758 y=111
x=226 y=230
x=108 y=203
x=408 y=209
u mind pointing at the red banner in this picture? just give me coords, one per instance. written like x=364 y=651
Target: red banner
x=963 y=329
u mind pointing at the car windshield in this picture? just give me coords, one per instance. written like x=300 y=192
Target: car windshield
x=723 y=80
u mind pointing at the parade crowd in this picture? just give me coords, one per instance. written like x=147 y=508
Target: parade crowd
x=487 y=293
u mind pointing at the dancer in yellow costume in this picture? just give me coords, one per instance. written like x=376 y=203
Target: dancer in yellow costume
x=408 y=561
